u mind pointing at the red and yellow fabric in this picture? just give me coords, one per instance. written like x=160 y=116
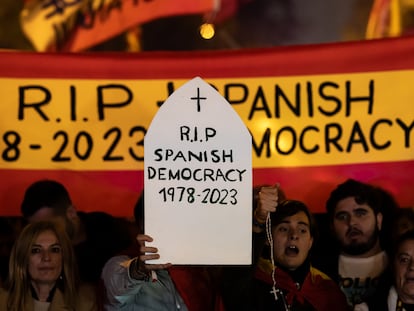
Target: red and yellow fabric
x=318 y=114
x=76 y=25
x=317 y=289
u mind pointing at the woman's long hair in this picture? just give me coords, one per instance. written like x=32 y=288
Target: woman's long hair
x=19 y=281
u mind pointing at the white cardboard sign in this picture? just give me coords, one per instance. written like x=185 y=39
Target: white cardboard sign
x=198 y=179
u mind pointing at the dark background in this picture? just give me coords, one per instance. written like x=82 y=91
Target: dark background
x=257 y=23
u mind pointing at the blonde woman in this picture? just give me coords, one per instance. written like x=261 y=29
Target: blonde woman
x=43 y=273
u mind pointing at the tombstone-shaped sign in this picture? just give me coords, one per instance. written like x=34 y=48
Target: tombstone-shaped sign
x=198 y=179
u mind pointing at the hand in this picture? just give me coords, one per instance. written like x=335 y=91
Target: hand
x=267 y=202
x=149 y=253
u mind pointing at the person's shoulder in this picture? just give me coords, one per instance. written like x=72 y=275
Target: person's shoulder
x=315 y=272
x=116 y=263
x=119 y=259
x=322 y=280
x=328 y=288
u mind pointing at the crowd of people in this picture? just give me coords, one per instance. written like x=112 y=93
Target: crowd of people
x=359 y=255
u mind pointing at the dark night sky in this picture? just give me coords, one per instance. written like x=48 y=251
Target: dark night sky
x=260 y=23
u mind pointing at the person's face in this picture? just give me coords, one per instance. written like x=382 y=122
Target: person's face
x=404 y=271
x=356 y=227
x=292 y=241
x=45 y=262
x=48 y=214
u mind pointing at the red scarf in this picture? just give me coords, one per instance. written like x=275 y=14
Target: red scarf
x=196 y=288
x=317 y=289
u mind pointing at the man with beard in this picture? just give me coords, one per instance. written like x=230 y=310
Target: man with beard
x=359 y=215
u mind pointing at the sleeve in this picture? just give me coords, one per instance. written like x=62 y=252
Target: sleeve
x=120 y=288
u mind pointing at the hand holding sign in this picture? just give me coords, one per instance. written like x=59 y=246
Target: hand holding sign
x=149 y=253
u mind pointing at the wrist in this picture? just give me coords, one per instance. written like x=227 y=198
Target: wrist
x=136 y=272
x=258 y=223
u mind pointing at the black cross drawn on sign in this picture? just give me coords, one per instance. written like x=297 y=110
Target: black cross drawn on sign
x=198 y=98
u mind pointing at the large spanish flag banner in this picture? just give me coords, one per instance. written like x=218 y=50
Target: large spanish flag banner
x=317 y=114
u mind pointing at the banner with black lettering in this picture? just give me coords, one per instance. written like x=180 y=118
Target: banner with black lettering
x=318 y=114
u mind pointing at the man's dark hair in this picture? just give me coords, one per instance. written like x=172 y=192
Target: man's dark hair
x=45 y=193
x=289 y=208
x=362 y=192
